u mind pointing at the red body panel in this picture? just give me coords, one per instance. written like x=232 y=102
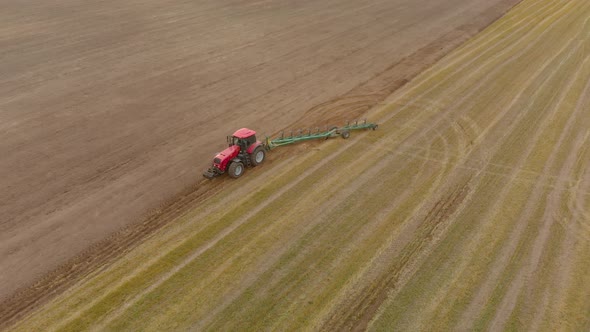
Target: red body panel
x=244 y=133
x=252 y=147
x=226 y=156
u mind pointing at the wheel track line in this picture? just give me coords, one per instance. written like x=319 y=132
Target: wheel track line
x=457 y=72
x=375 y=96
x=465 y=52
x=412 y=258
x=423 y=204
x=329 y=205
x=565 y=266
x=514 y=101
x=477 y=171
x=482 y=170
x=362 y=233
x=349 y=191
x=374 y=148
x=230 y=229
x=581 y=211
x=242 y=193
x=286 y=290
x=576 y=202
x=328 y=317
x=466 y=78
x=509 y=301
x=380 y=217
x=506 y=108
x=466 y=320
x=383 y=143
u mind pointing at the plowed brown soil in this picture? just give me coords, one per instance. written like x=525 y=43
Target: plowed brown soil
x=109 y=109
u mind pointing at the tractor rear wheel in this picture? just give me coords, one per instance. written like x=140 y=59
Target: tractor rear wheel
x=258 y=156
x=236 y=169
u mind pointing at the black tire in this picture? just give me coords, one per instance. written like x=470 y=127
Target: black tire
x=345 y=134
x=236 y=169
x=258 y=156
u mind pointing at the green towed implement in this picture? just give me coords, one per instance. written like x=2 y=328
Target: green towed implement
x=244 y=150
x=309 y=135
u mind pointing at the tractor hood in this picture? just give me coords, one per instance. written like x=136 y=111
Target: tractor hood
x=224 y=156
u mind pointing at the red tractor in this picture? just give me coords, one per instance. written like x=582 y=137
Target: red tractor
x=243 y=151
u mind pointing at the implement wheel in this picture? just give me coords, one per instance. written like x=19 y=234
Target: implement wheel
x=333 y=134
x=345 y=134
x=258 y=156
x=236 y=169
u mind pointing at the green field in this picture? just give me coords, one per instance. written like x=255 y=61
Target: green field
x=468 y=209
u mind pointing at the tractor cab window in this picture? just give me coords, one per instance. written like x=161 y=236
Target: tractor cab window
x=244 y=142
x=250 y=140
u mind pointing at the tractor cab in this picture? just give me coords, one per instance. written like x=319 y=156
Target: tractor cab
x=243 y=138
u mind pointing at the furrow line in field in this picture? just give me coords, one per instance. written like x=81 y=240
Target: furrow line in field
x=331 y=204
x=479 y=47
x=275 y=282
x=564 y=263
x=465 y=79
x=335 y=183
x=332 y=315
x=513 y=103
x=374 y=148
x=366 y=233
x=458 y=76
x=481 y=136
x=520 y=227
x=483 y=292
x=241 y=195
x=576 y=202
x=237 y=223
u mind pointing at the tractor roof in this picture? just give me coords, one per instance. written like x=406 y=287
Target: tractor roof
x=244 y=133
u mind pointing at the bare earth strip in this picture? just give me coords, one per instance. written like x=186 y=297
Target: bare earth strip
x=468 y=209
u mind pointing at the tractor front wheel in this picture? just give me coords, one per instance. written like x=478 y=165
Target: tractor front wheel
x=258 y=156
x=236 y=169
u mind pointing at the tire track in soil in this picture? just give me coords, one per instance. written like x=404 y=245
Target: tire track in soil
x=350 y=190
x=565 y=265
x=474 y=55
x=358 y=101
x=105 y=252
x=261 y=205
x=509 y=301
x=100 y=255
x=343 y=299
x=484 y=291
x=361 y=321
x=531 y=203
